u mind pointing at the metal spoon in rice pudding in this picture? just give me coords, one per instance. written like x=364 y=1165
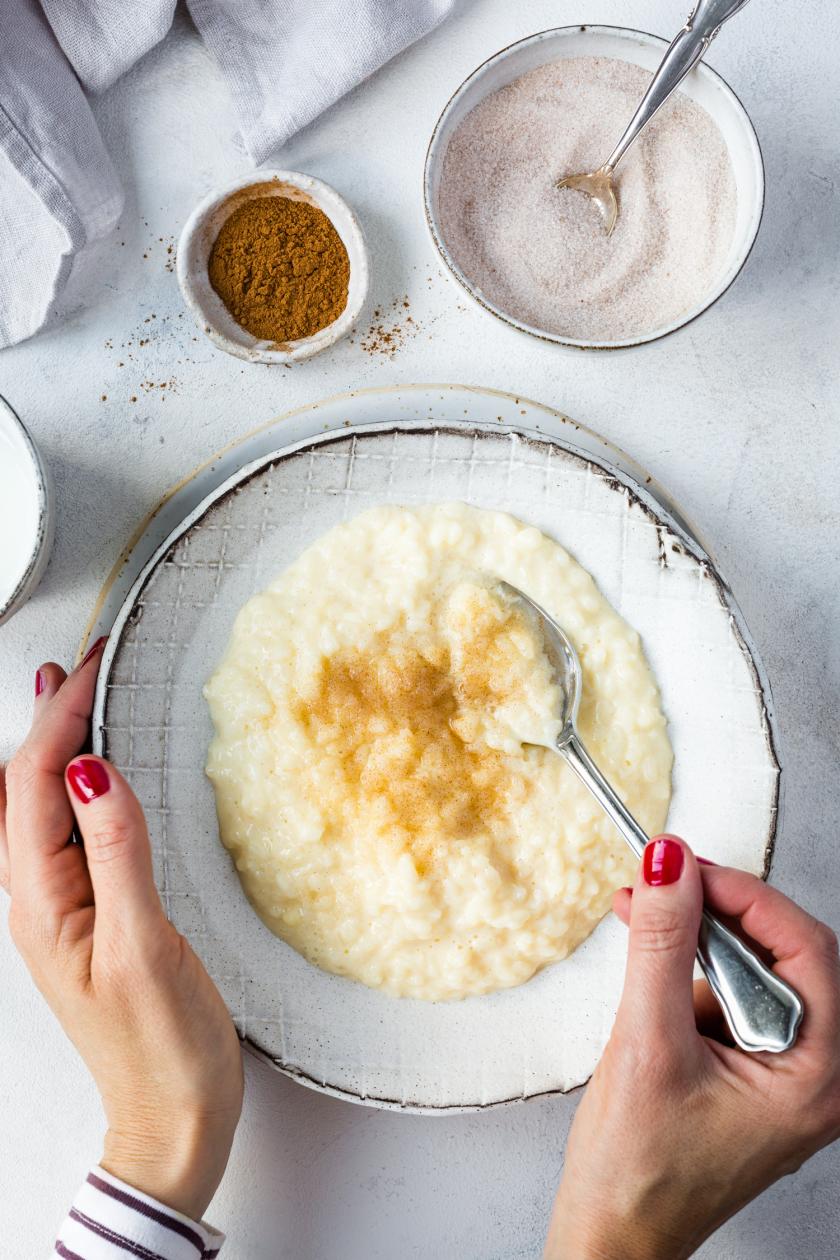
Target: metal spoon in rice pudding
x=687 y=48
x=763 y=1013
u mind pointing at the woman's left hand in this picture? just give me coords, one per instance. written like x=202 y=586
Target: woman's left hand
x=126 y=987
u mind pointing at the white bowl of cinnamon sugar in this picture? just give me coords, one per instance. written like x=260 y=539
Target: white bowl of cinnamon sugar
x=274 y=267
x=691 y=190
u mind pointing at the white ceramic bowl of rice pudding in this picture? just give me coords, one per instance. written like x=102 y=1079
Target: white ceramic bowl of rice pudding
x=265 y=522
x=537 y=257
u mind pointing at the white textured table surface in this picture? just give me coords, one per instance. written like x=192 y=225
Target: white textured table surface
x=737 y=416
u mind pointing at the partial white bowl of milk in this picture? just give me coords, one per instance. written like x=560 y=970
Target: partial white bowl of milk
x=26 y=514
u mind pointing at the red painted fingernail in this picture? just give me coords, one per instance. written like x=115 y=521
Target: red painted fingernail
x=663 y=862
x=40 y=682
x=88 y=779
x=91 y=652
x=705 y=861
x=626 y=889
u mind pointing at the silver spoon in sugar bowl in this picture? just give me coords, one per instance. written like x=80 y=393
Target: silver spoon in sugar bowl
x=685 y=50
x=763 y=1013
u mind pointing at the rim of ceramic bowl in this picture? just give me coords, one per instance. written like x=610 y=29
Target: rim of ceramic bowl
x=434 y=158
x=204 y=304
x=23 y=589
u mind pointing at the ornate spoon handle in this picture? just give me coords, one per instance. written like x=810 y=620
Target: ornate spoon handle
x=763 y=1013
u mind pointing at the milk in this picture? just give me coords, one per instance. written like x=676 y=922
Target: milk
x=19 y=500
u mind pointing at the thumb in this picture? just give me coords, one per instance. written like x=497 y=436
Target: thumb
x=117 y=849
x=665 y=915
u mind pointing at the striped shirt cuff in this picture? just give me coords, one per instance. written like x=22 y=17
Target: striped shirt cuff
x=112 y=1221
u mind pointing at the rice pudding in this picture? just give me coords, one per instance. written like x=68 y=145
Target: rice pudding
x=373 y=779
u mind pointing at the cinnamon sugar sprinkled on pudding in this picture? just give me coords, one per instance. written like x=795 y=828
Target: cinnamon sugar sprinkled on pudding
x=371 y=781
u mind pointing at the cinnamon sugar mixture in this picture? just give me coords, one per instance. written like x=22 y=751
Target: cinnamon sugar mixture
x=540 y=253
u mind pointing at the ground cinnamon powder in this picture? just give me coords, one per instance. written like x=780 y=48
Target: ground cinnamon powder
x=280 y=268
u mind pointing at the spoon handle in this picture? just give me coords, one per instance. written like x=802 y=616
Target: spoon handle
x=686 y=49
x=763 y=1013
x=583 y=765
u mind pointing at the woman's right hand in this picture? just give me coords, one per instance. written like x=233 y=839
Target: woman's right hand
x=678 y=1129
x=127 y=989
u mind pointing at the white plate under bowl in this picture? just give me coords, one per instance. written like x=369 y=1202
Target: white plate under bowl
x=196 y=244
x=703 y=86
x=150 y=717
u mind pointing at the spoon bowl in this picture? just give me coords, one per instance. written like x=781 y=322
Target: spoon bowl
x=561 y=655
x=598 y=185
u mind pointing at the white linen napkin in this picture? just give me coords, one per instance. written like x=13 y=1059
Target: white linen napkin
x=58 y=189
x=285 y=61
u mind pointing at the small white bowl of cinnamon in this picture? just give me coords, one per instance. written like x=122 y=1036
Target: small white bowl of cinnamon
x=274 y=267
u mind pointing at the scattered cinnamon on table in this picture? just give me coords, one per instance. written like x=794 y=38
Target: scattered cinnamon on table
x=390 y=330
x=281 y=268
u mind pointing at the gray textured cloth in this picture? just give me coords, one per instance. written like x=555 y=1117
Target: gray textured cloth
x=58 y=189
x=285 y=61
